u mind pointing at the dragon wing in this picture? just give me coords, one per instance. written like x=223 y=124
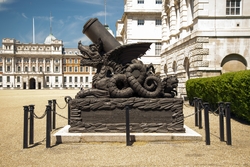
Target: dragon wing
x=125 y=53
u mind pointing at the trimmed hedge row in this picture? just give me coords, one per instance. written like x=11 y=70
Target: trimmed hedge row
x=231 y=87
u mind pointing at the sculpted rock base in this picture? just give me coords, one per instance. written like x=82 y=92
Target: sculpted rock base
x=147 y=115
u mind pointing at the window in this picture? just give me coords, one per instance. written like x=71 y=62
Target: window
x=157 y=48
x=76 y=61
x=70 y=79
x=25 y=60
x=64 y=69
x=26 y=69
x=18 y=79
x=18 y=60
x=41 y=69
x=1 y=59
x=81 y=79
x=8 y=68
x=64 y=61
x=158 y=1
x=87 y=69
x=8 y=78
x=1 y=68
x=140 y=1
x=56 y=61
x=81 y=69
x=76 y=69
x=56 y=69
x=47 y=69
x=47 y=60
x=8 y=60
x=1 y=79
x=18 y=68
x=47 y=79
x=140 y=22
x=40 y=60
x=75 y=79
x=158 y=22
x=70 y=61
x=65 y=79
x=233 y=7
x=87 y=79
x=56 y=79
x=70 y=69
x=33 y=60
x=33 y=69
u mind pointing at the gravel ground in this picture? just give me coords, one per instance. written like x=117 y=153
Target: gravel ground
x=169 y=153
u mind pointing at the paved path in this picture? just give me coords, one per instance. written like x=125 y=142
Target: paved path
x=195 y=153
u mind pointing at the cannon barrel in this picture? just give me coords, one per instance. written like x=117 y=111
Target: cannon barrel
x=95 y=31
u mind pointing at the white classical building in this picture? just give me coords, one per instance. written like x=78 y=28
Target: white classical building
x=198 y=38
x=42 y=66
x=141 y=22
x=203 y=38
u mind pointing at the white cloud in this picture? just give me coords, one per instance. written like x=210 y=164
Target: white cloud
x=102 y=13
x=24 y=16
x=5 y=2
x=43 y=18
x=81 y=18
x=93 y=2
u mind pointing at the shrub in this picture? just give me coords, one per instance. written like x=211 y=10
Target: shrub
x=231 y=87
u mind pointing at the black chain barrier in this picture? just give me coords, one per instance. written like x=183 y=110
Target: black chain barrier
x=50 y=113
x=222 y=111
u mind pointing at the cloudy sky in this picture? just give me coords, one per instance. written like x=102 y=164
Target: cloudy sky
x=67 y=18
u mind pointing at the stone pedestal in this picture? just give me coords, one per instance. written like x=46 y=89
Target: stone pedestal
x=107 y=115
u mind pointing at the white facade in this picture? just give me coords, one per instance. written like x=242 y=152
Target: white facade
x=42 y=66
x=141 y=22
x=199 y=38
x=204 y=38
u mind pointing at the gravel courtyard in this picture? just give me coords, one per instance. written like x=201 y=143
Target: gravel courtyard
x=169 y=153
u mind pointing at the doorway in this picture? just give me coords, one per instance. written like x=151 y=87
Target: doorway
x=32 y=83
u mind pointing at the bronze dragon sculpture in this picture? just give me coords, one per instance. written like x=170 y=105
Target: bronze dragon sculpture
x=120 y=74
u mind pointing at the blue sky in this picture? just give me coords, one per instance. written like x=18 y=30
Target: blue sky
x=68 y=18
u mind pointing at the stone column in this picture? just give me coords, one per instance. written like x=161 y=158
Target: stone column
x=165 y=26
x=22 y=64
x=4 y=64
x=183 y=14
x=29 y=69
x=172 y=19
x=12 y=65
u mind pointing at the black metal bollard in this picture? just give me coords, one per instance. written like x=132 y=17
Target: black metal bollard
x=25 y=127
x=221 y=120
x=31 y=107
x=128 y=143
x=195 y=112
x=67 y=100
x=228 y=123
x=54 y=114
x=48 y=125
x=199 y=101
x=50 y=103
x=206 y=118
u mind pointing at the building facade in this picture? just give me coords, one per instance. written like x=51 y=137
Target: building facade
x=203 y=38
x=198 y=38
x=42 y=66
x=141 y=22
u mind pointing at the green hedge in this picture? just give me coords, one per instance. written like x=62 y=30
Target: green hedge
x=231 y=87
